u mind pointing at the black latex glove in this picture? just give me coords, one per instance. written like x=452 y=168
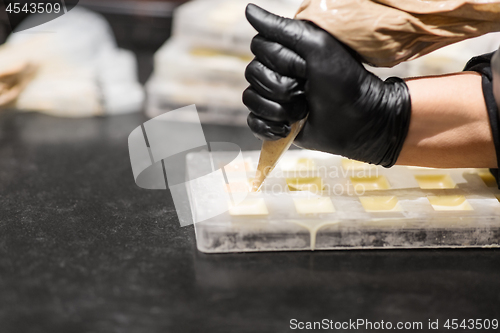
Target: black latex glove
x=299 y=69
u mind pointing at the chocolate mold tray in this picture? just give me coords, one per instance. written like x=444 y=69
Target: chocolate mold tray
x=316 y=201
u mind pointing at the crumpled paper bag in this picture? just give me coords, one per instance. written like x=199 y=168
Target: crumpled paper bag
x=388 y=32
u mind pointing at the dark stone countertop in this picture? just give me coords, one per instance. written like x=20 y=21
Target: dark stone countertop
x=83 y=249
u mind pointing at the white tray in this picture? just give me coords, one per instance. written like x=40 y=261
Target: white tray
x=467 y=213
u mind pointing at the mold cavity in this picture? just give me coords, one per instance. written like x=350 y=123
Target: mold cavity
x=380 y=204
x=487 y=177
x=435 y=181
x=311 y=184
x=249 y=207
x=449 y=202
x=352 y=165
x=305 y=164
x=302 y=164
x=320 y=205
x=370 y=183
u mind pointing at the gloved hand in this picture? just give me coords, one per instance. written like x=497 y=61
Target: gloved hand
x=301 y=69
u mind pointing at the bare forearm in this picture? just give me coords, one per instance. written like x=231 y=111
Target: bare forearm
x=449 y=125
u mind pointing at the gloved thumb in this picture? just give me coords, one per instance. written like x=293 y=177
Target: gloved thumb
x=287 y=32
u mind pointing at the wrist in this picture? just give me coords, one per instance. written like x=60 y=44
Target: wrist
x=398 y=110
x=386 y=107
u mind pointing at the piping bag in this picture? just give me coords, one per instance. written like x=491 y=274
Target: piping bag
x=271 y=153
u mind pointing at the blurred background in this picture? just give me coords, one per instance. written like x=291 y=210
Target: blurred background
x=86 y=250
x=108 y=57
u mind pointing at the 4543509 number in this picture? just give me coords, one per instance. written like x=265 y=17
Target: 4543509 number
x=32 y=8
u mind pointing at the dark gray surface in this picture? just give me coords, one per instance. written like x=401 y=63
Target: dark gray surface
x=82 y=249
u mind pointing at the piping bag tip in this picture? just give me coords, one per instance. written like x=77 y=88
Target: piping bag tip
x=258 y=181
x=271 y=153
x=255 y=188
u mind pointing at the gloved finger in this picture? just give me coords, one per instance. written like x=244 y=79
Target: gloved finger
x=278 y=58
x=288 y=32
x=266 y=130
x=272 y=111
x=263 y=107
x=272 y=85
